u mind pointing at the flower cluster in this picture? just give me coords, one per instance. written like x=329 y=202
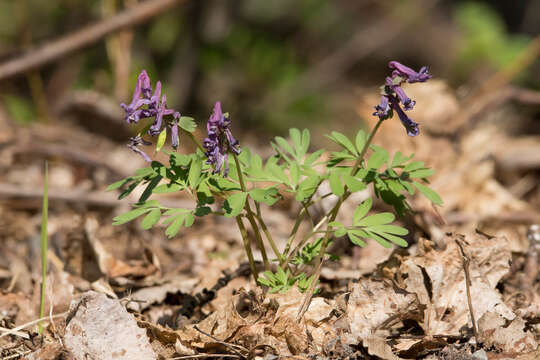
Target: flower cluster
x=393 y=95
x=220 y=140
x=148 y=104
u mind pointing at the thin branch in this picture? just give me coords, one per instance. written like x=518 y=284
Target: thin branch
x=15 y=330
x=468 y=284
x=85 y=37
x=230 y=346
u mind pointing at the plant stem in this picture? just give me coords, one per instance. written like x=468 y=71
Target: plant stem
x=247 y=247
x=195 y=141
x=332 y=216
x=267 y=234
x=250 y=216
x=44 y=244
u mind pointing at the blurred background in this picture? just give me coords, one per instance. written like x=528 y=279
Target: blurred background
x=273 y=64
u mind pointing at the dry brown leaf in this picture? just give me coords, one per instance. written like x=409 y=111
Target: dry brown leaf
x=374 y=304
x=377 y=346
x=111 y=266
x=509 y=338
x=445 y=295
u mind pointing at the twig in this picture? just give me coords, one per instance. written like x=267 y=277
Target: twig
x=14 y=356
x=16 y=333
x=230 y=346
x=468 y=284
x=198 y=356
x=531 y=262
x=85 y=37
x=15 y=330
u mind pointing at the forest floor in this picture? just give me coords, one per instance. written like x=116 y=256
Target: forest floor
x=126 y=293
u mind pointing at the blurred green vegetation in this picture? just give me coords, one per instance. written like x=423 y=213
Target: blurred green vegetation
x=484 y=39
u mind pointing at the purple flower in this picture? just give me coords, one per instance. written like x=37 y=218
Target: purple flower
x=393 y=94
x=148 y=104
x=408 y=73
x=137 y=141
x=220 y=140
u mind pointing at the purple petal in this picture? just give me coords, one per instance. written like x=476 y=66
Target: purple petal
x=408 y=73
x=408 y=104
x=383 y=109
x=145 y=86
x=156 y=126
x=410 y=125
x=174 y=135
x=137 y=141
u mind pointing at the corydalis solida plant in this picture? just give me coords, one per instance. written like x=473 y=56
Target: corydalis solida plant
x=241 y=189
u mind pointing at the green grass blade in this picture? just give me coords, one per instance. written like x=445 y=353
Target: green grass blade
x=44 y=244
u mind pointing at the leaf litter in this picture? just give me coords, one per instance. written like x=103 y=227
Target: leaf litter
x=119 y=292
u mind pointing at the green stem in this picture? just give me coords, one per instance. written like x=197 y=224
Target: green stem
x=267 y=234
x=250 y=216
x=247 y=247
x=44 y=245
x=332 y=216
x=195 y=141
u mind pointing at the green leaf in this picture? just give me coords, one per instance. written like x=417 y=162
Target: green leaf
x=313 y=157
x=360 y=140
x=277 y=173
x=118 y=184
x=421 y=173
x=307 y=187
x=161 y=139
x=176 y=225
x=429 y=193
x=353 y=183
x=296 y=139
x=377 y=219
x=129 y=189
x=294 y=173
x=362 y=210
x=202 y=211
x=269 y=196
x=379 y=239
x=284 y=144
x=168 y=188
x=335 y=184
x=149 y=189
x=195 y=171
x=414 y=165
x=151 y=219
x=379 y=157
x=390 y=229
x=306 y=137
x=395 y=239
x=234 y=204
x=144 y=171
x=189 y=219
x=400 y=159
x=131 y=215
x=223 y=184
x=344 y=141
x=355 y=239
x=187 y=123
